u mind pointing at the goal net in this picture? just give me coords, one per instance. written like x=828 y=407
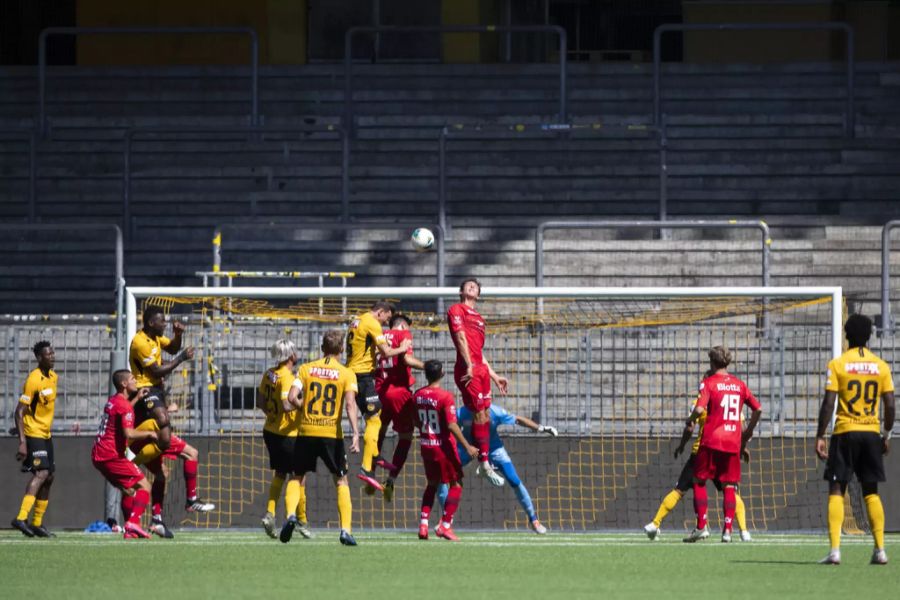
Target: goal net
x=615 y=370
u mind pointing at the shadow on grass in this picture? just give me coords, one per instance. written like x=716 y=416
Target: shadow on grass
x=779 y=562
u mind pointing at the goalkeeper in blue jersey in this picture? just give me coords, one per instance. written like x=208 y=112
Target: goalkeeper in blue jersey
x=500 y=458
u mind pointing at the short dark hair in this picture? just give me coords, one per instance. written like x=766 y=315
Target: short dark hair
x=467 y=280
x=38 y=348
x=152 y=311
x=332 y=341
x=720 y=357
x=858 y=329
x=382 y=305
x=398 y=316
x=120 y=377
x=434 y=370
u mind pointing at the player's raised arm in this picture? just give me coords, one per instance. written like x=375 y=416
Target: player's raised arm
x=534 y=426
x=353 y=417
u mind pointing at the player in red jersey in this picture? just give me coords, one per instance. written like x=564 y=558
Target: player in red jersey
x=393 y=382
x=722 y=397
x=435 y=417
x=108 y=455
x=472 y=373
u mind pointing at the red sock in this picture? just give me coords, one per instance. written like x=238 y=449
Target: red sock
x=127 y=503
x=400 y=454
x=481 y=433
x=157 y=495
x=701 y=503
x=427 y=501
x=190 y=478
x=730 y=504
x=141 y=500
x=451 y=504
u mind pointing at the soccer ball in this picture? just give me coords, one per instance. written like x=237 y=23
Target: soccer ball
x=422 y=239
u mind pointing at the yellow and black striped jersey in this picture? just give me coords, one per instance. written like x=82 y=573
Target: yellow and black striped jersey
x=323 y=384
x=860 y=378
x=39 y=394
x=274 y=387
x=363 y=338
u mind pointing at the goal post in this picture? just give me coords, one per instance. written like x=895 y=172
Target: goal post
x=614 y=369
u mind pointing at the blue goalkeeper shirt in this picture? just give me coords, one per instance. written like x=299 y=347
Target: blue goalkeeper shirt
x=499 y=416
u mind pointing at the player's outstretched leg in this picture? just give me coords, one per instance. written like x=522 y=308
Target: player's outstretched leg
x=740 y=515
x=506 y=466
x=668 y=504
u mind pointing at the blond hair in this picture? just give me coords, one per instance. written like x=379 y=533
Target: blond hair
x=282 y=350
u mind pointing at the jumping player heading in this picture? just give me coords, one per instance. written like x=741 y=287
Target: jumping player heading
x=472 y=372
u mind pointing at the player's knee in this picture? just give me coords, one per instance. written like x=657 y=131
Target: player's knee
x=341 y=481
x=406 y=435
x=869 y=488
x=49 y=480
x=143 y=484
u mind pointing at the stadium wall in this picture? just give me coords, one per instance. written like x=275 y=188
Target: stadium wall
x=577 y=483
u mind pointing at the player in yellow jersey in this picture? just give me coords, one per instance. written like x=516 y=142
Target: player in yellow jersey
x=365 y=338
x=859 y=381
x=685 y=483
x=323 y=390
x=152 y=414
x=34 y=420
x=280 y=432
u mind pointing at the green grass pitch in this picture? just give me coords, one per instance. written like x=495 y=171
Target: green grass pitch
x=242 y=564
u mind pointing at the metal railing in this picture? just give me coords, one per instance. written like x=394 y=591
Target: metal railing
x=300 y=226
x=50 y=31
x=31 y=136
x=119 y=281
x=255 y=132
x=492 y=132
x=765 y=247
x=887 y=321
x=441 y=29
x=850 y=117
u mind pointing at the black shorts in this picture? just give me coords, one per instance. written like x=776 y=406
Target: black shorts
x=38 y=455
x=855 y=452
x=281 y=451
x=307 y=451
x=143 y=408
x=367 y=398
x=685 y=481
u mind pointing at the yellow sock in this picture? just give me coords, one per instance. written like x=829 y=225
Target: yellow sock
x=40 y=507
x=345 y=507
x=370 y=441
x=835 y=519
x=740 y=512
x=668 y=505
x=291 y=497
x=875 y=510
x=27 y=503
x=301 y=505
x=274 y=492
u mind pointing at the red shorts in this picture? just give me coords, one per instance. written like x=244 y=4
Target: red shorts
x=715 y=464
x=395 y=408
x=120 y=472
x=442 y=465
x=476 y=396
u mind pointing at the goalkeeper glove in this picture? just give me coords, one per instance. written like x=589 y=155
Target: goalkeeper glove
x=551 y=431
